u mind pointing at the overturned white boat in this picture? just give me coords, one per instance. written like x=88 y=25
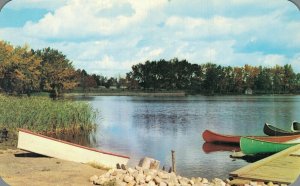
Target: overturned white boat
x=51 y=147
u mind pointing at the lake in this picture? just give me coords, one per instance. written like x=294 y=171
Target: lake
x=153 y=126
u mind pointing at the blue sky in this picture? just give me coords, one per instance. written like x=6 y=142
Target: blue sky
x=108 y=36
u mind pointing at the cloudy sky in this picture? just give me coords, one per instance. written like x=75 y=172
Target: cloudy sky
x=108 y=36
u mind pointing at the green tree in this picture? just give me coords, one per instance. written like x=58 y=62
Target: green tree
x=58 y=73
x=19 y=69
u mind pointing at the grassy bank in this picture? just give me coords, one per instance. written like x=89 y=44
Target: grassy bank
x=42 y=114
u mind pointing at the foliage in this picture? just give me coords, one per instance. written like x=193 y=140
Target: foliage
x=43 y=114
x=57 y=72
x=24 y=71
x=19 y=69
x=210 y=78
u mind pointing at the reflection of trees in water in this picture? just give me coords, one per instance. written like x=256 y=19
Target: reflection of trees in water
x=163 y=121
x=83 y=138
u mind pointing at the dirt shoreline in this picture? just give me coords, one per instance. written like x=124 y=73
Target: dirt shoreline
x=18 y=167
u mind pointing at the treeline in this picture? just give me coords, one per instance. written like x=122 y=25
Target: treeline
x=211 y=78
x=24 y=71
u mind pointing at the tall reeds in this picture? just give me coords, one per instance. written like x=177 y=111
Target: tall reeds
x=42 y=114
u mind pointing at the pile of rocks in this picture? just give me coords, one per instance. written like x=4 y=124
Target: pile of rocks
x=149 y=177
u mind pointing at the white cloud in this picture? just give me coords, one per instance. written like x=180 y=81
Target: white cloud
x=83 y=18
x=109 y=36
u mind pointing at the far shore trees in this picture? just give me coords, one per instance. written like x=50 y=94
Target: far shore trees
x=212 y=79
x=25 y=71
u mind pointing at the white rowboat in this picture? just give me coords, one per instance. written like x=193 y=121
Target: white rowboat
x=51 y=147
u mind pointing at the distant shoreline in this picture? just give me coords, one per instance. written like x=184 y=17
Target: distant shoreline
x=125 y=93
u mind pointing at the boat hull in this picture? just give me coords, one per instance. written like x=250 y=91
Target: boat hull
x=51 y=147
x=295 y=126
x=213 y=137
x=250 y=146
x=274 y=131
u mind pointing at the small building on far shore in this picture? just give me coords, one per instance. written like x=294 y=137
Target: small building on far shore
x=248 y=91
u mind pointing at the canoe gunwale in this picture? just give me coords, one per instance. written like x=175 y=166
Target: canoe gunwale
x=213 y=137
x=262 y=143
x=73 y=144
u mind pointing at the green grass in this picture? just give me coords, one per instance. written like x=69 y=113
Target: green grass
x=42 y=114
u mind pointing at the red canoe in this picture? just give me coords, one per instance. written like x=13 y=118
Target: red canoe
x=213 y=137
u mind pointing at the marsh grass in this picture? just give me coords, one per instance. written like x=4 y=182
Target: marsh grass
x=42 y=114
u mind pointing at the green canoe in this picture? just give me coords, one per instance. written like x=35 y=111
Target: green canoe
x=250 y=146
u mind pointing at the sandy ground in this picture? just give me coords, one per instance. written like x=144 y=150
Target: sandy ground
x=19 y=167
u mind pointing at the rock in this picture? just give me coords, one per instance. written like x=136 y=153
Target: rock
x=218 y=182
x=183 y=181
x=100 y=181
x=252 y=183
x=227 y=180
x=128 y=178
x=270 y=184
x=162 y=184
x=150 y=172
x=131 y=171
x=204 y=180
x=191 y=182
x=138 y=168
x=157 y=180
x=132 y=183
x=120 y=183
x=115 y=173
x=198 y=180
x=173 y=178
x=151 y=183
x=163 y=175
x=120 y=176
x=139 y=177
x=94 y=178
x=149 y=163
x=148 y=178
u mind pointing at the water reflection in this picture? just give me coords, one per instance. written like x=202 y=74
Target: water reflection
x=83 y=138
x=153 y=126
x=215 y=147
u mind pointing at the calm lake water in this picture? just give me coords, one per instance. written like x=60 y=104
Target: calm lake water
x=153 y=126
